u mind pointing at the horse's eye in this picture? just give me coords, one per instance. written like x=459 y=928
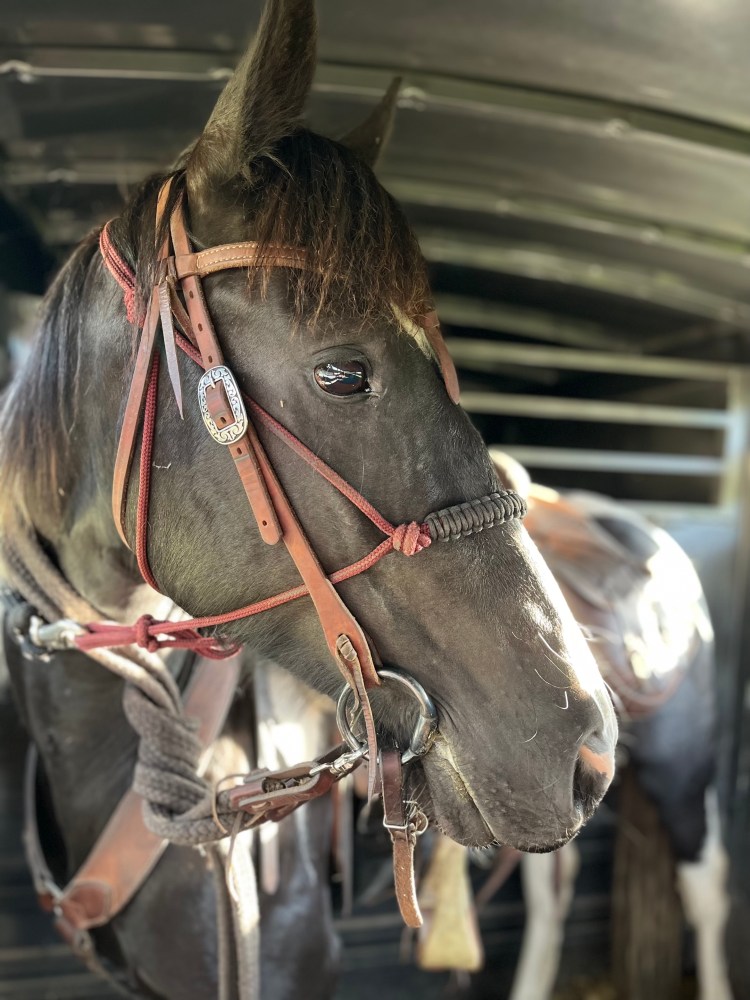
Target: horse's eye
x=342 y=379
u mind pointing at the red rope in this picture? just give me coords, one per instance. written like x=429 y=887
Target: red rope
x=120 y=271
x=152 y=635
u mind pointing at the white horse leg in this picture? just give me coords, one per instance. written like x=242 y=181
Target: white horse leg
x=703 y=887
x=548 y=883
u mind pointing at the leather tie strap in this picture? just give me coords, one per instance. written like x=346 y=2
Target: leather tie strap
x=126 y=851
x=404 y=826
x=132 y=417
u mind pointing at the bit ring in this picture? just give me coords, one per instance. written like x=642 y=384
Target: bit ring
x=424 y=728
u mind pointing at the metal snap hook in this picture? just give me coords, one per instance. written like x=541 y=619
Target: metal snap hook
x=424 y=728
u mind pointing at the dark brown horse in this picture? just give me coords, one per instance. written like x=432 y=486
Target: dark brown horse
x=336 y=353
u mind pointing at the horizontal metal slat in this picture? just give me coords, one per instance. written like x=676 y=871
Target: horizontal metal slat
x=475 y=349
x=598 y=410
x=613 y=461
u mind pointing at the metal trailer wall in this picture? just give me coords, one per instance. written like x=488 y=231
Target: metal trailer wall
x=579 y=175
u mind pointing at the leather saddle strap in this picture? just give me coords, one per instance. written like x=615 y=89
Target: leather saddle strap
x=126 y=851
x=403 y=835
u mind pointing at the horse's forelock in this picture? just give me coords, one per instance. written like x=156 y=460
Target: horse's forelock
x=364 y=264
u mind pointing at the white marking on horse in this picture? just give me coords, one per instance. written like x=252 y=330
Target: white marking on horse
x=547 y=907
x=703 y=888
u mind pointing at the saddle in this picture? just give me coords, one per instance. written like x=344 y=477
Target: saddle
x=630 y=586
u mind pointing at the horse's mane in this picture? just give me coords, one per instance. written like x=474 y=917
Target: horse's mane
x=364 y=263
x=37 y=414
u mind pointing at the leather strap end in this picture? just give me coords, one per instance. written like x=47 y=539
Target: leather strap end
x=431 y=326
x=403 y=836
x=403 y=877
x=132 y=417
x=163 y=298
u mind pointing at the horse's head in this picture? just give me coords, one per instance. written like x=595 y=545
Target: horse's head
x=334 y=352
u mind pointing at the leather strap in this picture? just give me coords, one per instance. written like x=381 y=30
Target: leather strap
x=403 y=831
x=431 y=326
x=126 y=851
x=132 y=417
x=188 y=264
x=155 y=313
x=344 y=636
x=204 y=337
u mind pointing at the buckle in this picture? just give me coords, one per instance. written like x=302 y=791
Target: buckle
x=228 y=433
x=59 y=635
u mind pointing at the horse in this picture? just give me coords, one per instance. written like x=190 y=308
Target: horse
x=637 y=596
x=270 y=257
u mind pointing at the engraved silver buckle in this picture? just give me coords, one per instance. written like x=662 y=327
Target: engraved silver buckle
x=231 y=432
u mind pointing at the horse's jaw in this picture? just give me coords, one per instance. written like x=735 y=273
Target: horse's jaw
x=437 y=786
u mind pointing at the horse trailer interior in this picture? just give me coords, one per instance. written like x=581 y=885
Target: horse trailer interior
x=578 y=175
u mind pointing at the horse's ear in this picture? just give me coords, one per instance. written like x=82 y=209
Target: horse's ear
x=369 y=139
x=264 y=99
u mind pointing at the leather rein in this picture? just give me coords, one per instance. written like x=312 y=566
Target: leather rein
x=178 y=308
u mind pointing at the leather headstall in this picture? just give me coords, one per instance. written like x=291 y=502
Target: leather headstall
x=178 y=307
x=227 y=420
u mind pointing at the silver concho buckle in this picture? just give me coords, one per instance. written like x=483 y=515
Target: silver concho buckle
x=231 y=432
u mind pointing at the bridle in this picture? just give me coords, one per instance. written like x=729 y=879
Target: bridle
x=178 y=298
x=177 y=306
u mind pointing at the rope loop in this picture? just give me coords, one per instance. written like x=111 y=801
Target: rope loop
x=411 y=538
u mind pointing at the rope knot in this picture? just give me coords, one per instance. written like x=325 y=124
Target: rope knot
x=411 y=538
x=142 y=636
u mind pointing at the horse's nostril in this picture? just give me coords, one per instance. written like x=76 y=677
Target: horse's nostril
x=599 y=761
x=591 y=777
